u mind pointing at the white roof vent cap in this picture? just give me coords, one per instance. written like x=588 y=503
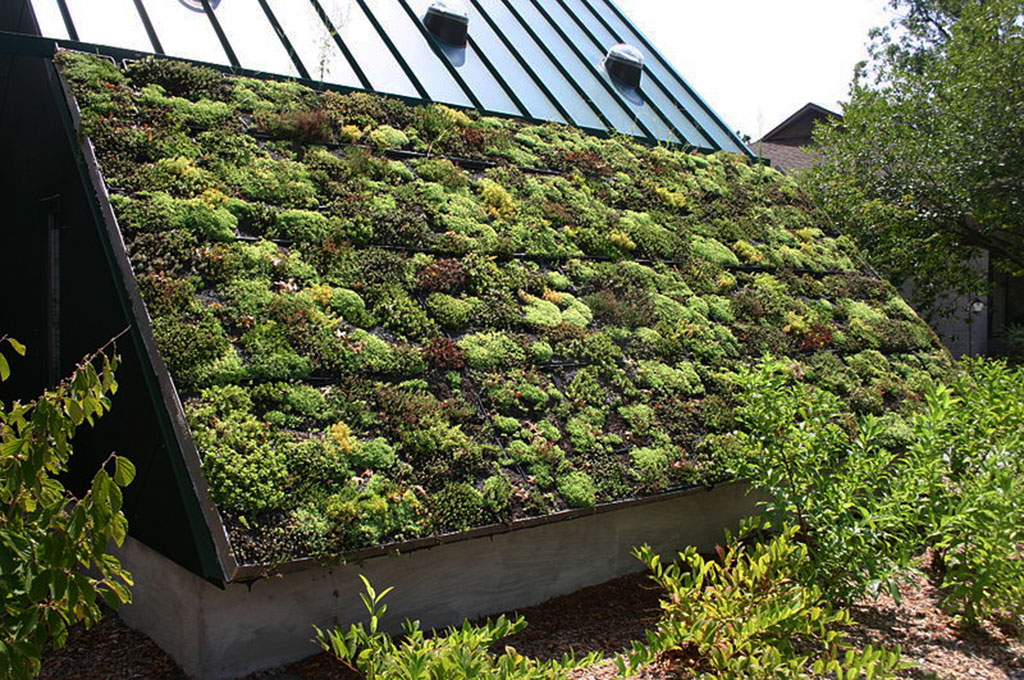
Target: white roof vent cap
x=448 y=20
x=625 y=63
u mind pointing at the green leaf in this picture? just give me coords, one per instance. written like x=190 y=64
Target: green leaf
x=18 y=347
x=124 y=471
x=5 y=369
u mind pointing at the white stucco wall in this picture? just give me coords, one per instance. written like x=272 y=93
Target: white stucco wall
x=214 y=633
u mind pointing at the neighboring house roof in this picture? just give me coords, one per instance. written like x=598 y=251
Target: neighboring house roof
x=784 y=145
x=797 y=129
x=785 y=157
x=531 y=59
x=379 y=327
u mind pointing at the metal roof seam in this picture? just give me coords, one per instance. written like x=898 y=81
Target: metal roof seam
x=682 y=81
x=360 y=74
x=395 y=52
x=148 y=25
x=708 y=137
x=232 y=57
x=647 y=99
x=66 y=14
x=496 y=74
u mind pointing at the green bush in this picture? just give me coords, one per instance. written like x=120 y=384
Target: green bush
x=462 y=653
x=748 y=615
x=578 y=490
x=54 y=561
x=974 y=431
x=856 y=504
x=492 y=350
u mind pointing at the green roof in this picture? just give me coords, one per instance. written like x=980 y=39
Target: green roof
x=389 y=322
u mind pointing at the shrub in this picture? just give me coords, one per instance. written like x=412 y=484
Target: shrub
x=749 y=615
x=856 y=504
x=713 y=251
x=54 y=565
x=448 y=311
x=387 y=137
x=976 y=429
x=460 y=653
x=304 y=226
x=178 y=78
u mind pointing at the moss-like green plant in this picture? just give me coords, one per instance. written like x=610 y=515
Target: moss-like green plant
x=300 y=225
x=542 y=313
x=387 y=137
x=578 y=490
x=438 y=311
x=487 y=351
x=668 y=380
x=498 y=200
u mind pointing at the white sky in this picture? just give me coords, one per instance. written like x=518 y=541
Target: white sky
x=758 y=61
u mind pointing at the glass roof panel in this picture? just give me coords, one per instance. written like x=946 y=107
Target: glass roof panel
x=252 y=37
x=620 y=117
x=473 y=69
x=521 y=41
x=635 y=101
x=51 y=23
x=185 y=31
x=369 y=50
x=482 y=38
x=312 y=41
x=417 y=52
x=679 y=90
x=118 y=24
x=654 y=93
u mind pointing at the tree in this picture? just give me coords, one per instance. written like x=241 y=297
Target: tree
x=927 y=168
x=54 y=565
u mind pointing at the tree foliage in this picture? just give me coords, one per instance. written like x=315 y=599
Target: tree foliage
x=927 y=168
x=54 y=565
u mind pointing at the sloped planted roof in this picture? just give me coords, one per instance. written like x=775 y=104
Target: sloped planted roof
x=524 y=58
x=389 y=322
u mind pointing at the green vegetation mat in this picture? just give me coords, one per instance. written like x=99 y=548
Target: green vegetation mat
x=389 y=322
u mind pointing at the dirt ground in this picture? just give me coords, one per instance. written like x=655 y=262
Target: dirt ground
x=605 y=617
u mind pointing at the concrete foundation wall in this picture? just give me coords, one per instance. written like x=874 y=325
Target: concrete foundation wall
x=216 y=633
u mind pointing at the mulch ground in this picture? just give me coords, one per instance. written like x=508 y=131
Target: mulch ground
x=607 y=618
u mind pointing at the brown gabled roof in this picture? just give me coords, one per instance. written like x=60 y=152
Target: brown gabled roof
x=796 y=130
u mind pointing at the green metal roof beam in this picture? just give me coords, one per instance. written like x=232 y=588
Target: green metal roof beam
x=402 y=63
x=668 y=67
x=647 y=100
x=276 y=25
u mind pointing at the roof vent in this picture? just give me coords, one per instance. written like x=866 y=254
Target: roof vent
x=448 y=20
x=625 y=64
x=197 y=5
